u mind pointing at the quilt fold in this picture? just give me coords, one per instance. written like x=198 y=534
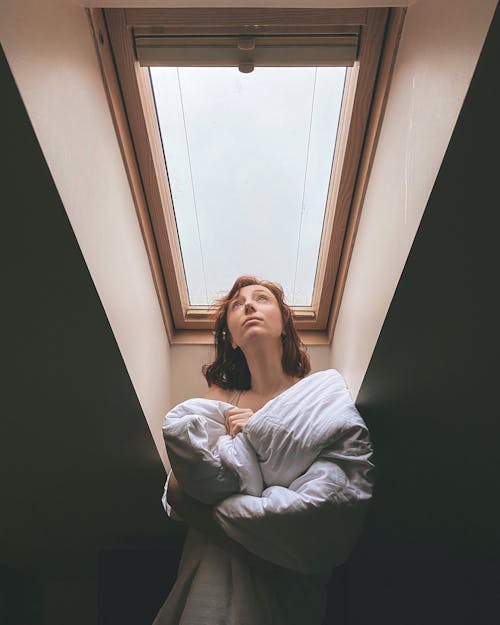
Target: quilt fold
x=294 y=485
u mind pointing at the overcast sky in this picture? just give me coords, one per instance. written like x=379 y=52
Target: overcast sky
x=249 y=159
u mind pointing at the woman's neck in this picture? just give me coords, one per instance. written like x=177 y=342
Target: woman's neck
x=266 y=370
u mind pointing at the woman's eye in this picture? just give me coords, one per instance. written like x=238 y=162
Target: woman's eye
x=234 y=304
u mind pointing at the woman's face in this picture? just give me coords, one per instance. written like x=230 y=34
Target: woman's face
x=253 y=312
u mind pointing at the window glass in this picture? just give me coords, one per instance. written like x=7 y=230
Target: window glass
x=249 y=159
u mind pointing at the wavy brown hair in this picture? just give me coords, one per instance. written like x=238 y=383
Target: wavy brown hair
x=229 y=370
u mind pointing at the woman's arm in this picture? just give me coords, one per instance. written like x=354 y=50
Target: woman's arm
x=313 y=524
x=197 y=514
x=200 y=516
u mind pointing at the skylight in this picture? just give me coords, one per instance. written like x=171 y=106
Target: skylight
x=248 y=136
x=249 y=158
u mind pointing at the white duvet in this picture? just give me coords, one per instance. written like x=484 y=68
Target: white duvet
x=292 y=488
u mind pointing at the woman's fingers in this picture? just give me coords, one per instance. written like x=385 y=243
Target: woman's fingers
x=236 y=419
x=236 y=411
x=236 y=426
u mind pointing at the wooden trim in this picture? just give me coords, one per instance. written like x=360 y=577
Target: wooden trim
x=369 y=54
x=357 y=135
x=321 y=298
x=266 y=19
x=120 y=122
x=206 y=337
x=205 y=313
x=203 y=317
x=163 y=210
x=381 y=92
x=139 y=104
x=214 y=29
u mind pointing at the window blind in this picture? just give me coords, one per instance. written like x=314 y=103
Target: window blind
x=247 y=51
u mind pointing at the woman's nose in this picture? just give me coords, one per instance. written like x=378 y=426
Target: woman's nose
x=249 y=306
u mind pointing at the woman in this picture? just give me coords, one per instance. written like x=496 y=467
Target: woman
x=272 y=473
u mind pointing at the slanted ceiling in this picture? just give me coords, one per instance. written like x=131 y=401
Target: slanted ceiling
x=80 y=470
x=59 y=81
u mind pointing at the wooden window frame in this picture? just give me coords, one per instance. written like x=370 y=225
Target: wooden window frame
x=132 y=105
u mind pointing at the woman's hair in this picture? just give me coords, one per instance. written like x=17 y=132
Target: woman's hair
x=229 y=370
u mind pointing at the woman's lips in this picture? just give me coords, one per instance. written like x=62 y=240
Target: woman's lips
x=251 y=319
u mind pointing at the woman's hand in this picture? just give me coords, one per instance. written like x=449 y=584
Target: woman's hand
x=236 y=419
x=174 y=491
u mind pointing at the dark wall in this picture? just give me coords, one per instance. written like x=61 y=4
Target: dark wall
x=431 y=549
x=81 y=479
x=80 y=475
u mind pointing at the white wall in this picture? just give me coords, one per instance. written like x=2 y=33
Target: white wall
x=439 y=49
x=188 y=381
x=51 y=53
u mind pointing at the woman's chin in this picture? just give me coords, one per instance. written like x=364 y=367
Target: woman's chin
x=257 y=333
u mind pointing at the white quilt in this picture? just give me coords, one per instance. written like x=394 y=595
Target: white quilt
x=292 y=488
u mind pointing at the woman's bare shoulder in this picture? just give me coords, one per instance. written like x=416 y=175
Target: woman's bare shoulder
x=218 y=393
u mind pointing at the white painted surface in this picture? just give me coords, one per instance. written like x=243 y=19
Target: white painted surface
x=51 y=53
x=60 y=83
x=187 y=380
x=439 y=49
